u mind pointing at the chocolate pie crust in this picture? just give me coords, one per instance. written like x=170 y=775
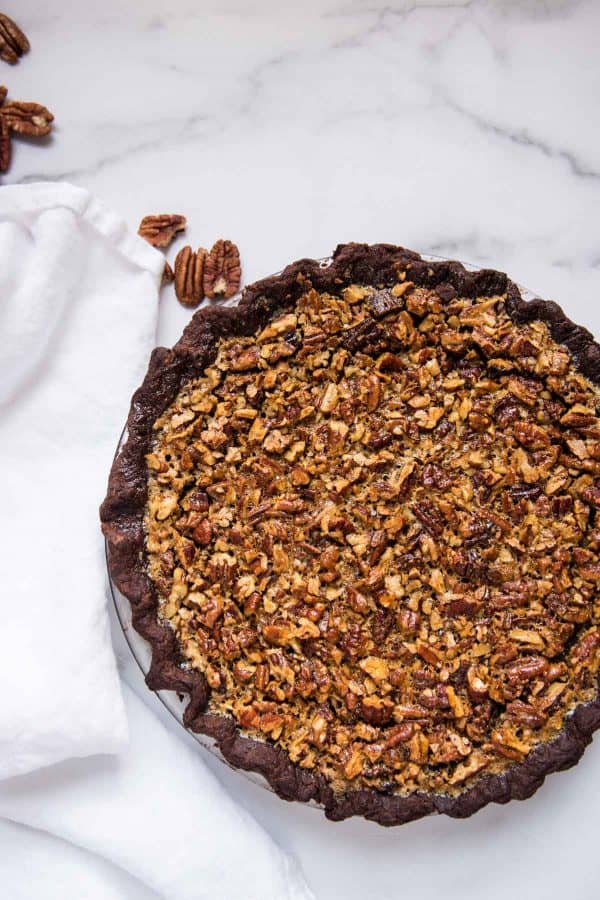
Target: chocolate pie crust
x=124 y=509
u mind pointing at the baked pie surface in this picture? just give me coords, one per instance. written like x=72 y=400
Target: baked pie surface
x=355 y=517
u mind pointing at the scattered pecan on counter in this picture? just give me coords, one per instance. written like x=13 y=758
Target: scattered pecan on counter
x=161 y=230
x=189 y=272
x=13 y=41
x=222 y=271
x=20 y=117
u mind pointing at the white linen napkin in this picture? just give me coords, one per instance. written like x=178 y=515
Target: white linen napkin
x=78 y=311
x=156 y=811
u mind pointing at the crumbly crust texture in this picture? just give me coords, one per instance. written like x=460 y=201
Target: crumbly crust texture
x=355 y=518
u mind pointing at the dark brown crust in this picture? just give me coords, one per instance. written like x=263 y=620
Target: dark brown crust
x=122 y=515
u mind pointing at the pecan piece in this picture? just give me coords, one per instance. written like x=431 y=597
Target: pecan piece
x=168 y=275
x=5 y=146
x=242 y=672
x=474 y=764
x=202 y=533
x=435 y=476
x=531 y=436
x=329 y=398
x=409 y=620
x=525 y=714
x=506 y=410
x=198 y=500
x=373 y=392
x=161 y=230
x=375 y=710
x=578 y=417
x=364 y=336
x=526 y=668
x=383 y=622
x=506 y=744
x=586 y=646
x=591 y=495
x=479 y=421
x=13 y=41
x=31 y=119
x=462 y=607
x=189 y=271
x=277 y=634
x=524 y=491
x=222 y=271
x=398 y=734
x=476 y=683
x=430 y=516
x=261 y=676
x=386 y=301
x=377 y=543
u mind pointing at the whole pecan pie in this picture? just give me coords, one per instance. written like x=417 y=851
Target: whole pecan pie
x=355 y=517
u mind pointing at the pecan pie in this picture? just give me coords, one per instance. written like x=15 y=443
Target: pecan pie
x=355 y=517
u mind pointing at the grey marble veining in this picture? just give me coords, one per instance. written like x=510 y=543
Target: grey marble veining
x=468 y=129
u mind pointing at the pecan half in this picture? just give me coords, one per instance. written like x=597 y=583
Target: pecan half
x=189 y=271
x=13 y=41
x=222 y=271
x=31 y=119
x=160 y=230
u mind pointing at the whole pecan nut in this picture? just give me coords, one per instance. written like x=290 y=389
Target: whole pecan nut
x=13 y=42
x=31 y=119
x=222 y=271
x=3 y=93
x=5 y=148
x=160 y=230
x=189 y=272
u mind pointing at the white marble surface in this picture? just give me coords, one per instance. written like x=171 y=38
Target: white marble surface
x=465 y=129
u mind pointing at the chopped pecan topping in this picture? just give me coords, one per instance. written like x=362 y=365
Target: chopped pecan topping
x=372 y=525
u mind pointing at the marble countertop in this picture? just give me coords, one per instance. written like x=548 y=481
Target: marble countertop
x=466 y=129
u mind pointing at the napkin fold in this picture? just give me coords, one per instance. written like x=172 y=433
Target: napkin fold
x=78 y=313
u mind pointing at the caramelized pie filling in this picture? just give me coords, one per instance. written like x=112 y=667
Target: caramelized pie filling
x=372 y=526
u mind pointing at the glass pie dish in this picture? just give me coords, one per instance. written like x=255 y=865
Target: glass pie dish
x=140 y=649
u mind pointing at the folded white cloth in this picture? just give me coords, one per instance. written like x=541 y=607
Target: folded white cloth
x=33 y=863
x=156 y=811
x=78 y=317
x=78 y=311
